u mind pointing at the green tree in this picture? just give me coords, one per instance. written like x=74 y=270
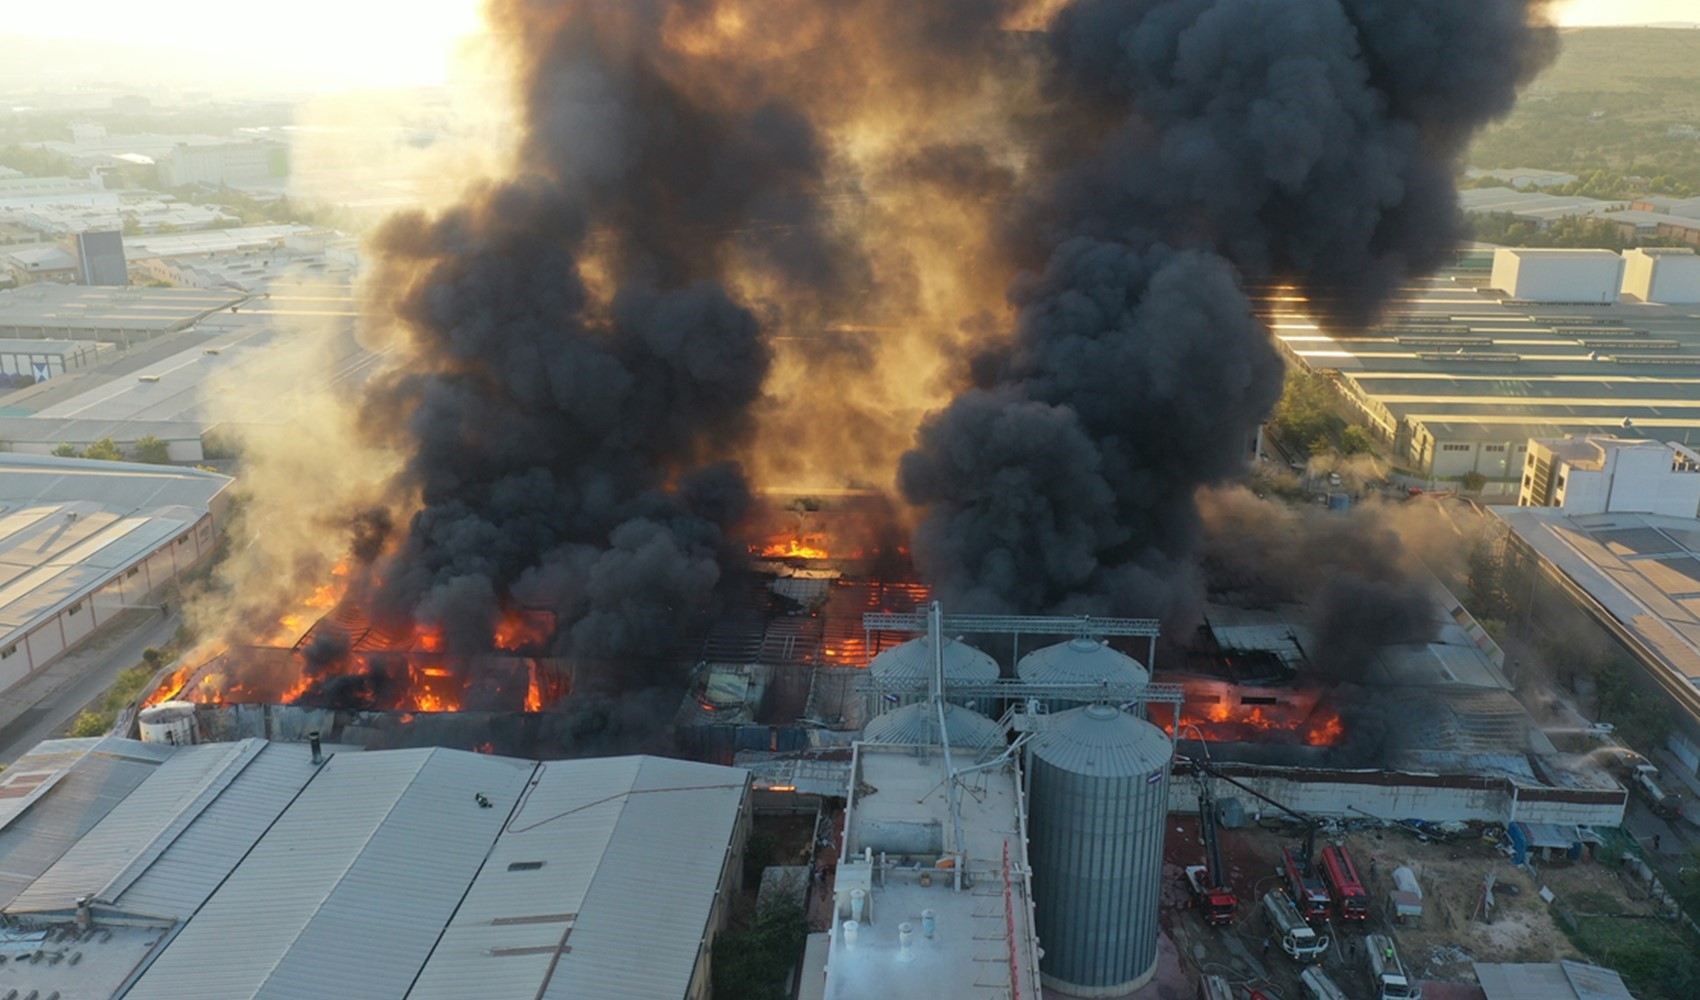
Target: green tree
x=753 y=964
x=1472 y=481
x=66 y=449
x=89 y=724
x=1356 y=439
x=152 y=450
x=105 y=449
x=1305 y=416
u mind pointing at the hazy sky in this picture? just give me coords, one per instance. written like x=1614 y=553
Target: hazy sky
x=319 y=43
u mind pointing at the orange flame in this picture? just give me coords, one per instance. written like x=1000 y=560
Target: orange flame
x=792 y=548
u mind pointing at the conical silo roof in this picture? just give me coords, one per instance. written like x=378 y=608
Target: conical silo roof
x=918 y=724
x=1102 y=742
x=913 y=661
x=1082 y=660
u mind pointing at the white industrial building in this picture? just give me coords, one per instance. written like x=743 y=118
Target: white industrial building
x=1558 y=276
x=933 y=886
x=1666 y=275
x=226 y=163
x=1600 y=475
x=242 y=870
x=81 y=541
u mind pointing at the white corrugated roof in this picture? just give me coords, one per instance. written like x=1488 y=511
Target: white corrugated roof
x=378 y=849
x=186 y=872
x=112 y=854
x=68 y=526
x=88 y=788
x=632 y=851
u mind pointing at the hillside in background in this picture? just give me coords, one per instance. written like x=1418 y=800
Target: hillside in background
x=1610 y=102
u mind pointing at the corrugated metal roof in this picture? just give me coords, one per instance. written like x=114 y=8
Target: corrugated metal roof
x=181 y=878
x=378 y=848
x=137 y=829
x=1550 y=981
x=68 y=526
x=598 y=886
x=89 y=789
x=1101 y=741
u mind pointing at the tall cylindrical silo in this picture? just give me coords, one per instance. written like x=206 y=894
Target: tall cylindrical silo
x=905 y=670
x=1099 y=798
x=918 y=724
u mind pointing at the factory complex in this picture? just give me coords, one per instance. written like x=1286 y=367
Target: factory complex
x=1510 y=345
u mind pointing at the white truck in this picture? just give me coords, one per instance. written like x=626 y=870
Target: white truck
x=1318 y=986
x=1297 y=938
x=1387 y=972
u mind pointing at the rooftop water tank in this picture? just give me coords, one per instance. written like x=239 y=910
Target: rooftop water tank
x=905 y=670
x=170 y=722
x=1100 y=794
x=918 y=724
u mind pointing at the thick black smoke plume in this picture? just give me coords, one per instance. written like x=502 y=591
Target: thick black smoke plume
x=579 y=375
x=1198 y=146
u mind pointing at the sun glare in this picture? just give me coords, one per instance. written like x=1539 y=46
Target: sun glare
x=313 y=44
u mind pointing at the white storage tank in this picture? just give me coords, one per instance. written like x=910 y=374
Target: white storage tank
x=918 y=724
x=1549 y=275
x=1666 y=275
x=907 y=670
x=1098 y=804
x=170 y=722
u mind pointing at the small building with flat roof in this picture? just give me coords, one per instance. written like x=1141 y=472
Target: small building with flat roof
x=1557 y=276
x=1562 y=980
x=1601 y=474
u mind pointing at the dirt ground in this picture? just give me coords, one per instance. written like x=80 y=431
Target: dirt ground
x=1439 y=946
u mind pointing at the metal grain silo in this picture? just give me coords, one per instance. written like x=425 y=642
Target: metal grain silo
x=1081 y=660
x=1099 y=798
x=969 y=731
x=905 y=670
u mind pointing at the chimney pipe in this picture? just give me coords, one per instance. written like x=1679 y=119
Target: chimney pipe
x=313 y=741
x=85 y=916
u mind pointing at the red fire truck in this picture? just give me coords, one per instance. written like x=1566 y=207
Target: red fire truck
x=1211 y=892
x=1304 y=882
x=1350 y=900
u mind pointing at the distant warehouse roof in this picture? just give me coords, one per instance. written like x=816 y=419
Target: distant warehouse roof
x=43 y=308
x=417 y=873
x=67 y=526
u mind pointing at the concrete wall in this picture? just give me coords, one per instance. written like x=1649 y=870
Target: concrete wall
x=1394 y=795
x=1558 y=275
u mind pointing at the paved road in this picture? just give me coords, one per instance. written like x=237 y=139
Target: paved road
x=47 y=702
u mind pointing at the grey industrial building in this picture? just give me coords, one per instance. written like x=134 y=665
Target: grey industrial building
x=48 y=311
x=81 y=541
x=239 y=870
x=230 y=369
